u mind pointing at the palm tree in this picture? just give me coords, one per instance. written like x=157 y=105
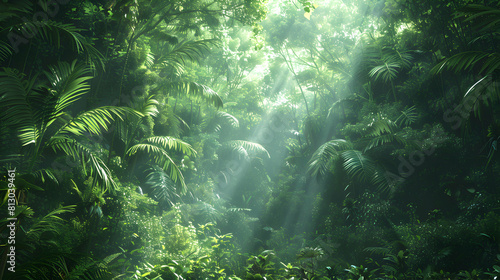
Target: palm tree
x=39 y=115
x=164 y=172
x=138 y=138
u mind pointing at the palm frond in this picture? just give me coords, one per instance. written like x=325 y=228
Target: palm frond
x=358 y=166
x=195 y=90
x=14 y=105
x=485 y=18
x=381 y=125
x=49 y=223
x=16 y=108
x=325 y=155
x=402 y=58
x=167 y=142
x=16 y=9
x=5 y=51
x=207 y=212
x=162 y=158
x=408 y=116
x=242 y=147
x=97 y=120
x=386 y=71
x=150 y=60
x=485 y=90
x=55 y=32
x=382 y=180
x=34 y=110
x=163 y=188
x=69 y=82
x=348 y=100
x=149 y=107
x=230 y=119
x=363 y=169
x=382 y=131
x=43 y=173
x=380 y=140
x=220 y=120
x=22 y=211
x=92 y=165
x=466 y=61
x=185 y=51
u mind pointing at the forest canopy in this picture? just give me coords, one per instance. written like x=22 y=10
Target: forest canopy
x=268 y=139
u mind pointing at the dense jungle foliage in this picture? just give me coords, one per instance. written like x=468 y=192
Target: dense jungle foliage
x=238 y=139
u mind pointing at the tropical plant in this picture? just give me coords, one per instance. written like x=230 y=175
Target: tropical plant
x=392 y=62
x=310 y=256
x=163 y=188
x=174 y=58
x=381 y=130
x=261 y=266
x=157 y=147
x=324 y=157
x=360 y=272
x=38 y=114
x=357 y=165
x=396 y=262
x=51 y=225
x=244 y=148
x=485 y=63
x=21 y=27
